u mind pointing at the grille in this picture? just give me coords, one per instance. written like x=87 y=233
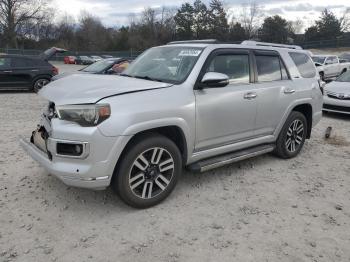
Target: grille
x=337 y=108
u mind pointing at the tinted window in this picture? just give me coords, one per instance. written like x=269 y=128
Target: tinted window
x=18 y=62
x=235 y=66
x=270 y=68
x=304 y=64
x=5 y=63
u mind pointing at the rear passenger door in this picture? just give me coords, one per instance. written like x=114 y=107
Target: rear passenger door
x=22 y=71
x=5 y=72
x=274 y=91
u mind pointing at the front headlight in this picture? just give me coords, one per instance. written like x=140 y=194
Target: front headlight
x=84 y=115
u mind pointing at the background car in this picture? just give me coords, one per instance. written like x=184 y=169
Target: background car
x=106 y=56
x=19 y=72
x=83 y=60
x=96 y=58
x=337 y=95
x=106 y=66
x=345 y=56
x=69 y=59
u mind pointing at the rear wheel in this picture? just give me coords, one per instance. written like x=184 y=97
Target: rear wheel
x=148 y=171
x=40 y=83
x=292 y=136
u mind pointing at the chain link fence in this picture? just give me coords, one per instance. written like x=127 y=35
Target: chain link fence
x=59 y=57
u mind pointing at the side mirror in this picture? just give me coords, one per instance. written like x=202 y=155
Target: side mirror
x=213 y=79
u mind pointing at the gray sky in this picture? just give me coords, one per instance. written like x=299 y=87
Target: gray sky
x=117 y=12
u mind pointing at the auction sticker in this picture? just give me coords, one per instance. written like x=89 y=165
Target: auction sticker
x=190 y=52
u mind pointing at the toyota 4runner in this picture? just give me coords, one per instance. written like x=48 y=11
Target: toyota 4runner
x=194 y=104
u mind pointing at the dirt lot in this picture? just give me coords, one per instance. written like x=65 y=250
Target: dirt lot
x=263 y=209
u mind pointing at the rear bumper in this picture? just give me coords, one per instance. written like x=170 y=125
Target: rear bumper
x=84 y=175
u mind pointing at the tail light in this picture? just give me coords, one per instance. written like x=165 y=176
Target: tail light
x=54 y=70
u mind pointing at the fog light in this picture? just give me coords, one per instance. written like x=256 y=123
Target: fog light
x=65 y=149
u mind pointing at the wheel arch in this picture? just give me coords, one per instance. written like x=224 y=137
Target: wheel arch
x=306 y=110
x=44 y=76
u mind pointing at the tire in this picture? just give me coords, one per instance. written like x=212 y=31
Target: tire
x=292 y=136
x=40 y=83
x=148 y=171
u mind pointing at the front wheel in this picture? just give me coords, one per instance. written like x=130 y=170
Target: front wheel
x=292 y=136
x=148 y=171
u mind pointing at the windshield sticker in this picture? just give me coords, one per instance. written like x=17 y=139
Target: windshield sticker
x=190 y=52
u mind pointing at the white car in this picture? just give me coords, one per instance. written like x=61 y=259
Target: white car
x=96 y=58
x=329 y=66
x=337 y=95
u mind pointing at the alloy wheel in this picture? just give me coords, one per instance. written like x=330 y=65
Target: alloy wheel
x=40 y=84
x=151 y=173
x=295 y=135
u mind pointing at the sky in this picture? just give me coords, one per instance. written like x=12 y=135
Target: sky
x=116 y=13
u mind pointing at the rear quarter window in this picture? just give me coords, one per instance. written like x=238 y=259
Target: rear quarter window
x=304 y=64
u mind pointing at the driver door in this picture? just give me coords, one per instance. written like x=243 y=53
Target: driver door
x=227 y=114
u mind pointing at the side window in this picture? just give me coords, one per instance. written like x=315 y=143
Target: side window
x=5 y=63
x=18 y=62
x=270 y=68
x=331 y=60
x=304 y=64
x=236 y=66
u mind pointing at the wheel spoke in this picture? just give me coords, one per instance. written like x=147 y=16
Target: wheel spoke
x=288 y=143
x=147 y=190
x=300 y=129
x=293 y=146
x=166 y=165
x=156 y=156
x=160 y=181
x=136 y=184
x=298 y=140
x=290 y=132
x=141 y=163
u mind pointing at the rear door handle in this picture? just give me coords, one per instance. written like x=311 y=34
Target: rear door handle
x=289 y=91
x=250 y=95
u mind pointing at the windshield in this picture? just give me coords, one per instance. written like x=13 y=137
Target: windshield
x=344 y=77
x=319 y=59
x=85 y=57
x=171 y=64
x=98 y=66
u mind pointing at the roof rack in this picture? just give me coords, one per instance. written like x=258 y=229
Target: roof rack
x=256 y=43
x=204 y=41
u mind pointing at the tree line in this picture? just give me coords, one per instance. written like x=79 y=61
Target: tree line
x=32 y=24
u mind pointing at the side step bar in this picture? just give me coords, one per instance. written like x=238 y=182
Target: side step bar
x=222 y=160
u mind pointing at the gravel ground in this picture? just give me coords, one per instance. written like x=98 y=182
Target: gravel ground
x=262 y=209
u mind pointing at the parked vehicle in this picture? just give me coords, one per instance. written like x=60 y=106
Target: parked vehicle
x=196 y=104
x=96 y=58
x=345 y=56
x=69 y=59
x=107 y=56
x=83 y=60
x=18 y=72
x=106 y=66
x=337 y=95
x=329 y=66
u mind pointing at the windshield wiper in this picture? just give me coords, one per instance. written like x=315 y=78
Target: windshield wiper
x=125 y=75
x=148 y=78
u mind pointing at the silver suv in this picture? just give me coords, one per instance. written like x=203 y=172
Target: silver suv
x=195 y=104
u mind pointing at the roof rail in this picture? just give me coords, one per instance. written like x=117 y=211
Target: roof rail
x=256 y=43
x=204 y=41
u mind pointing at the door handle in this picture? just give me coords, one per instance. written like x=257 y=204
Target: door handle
x=250 y=95
x=289 y=91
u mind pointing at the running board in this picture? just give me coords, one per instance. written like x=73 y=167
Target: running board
x=222 y=160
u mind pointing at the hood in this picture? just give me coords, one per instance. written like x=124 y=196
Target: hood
x=65 y=74
x=51 y=52
x=89 y=88
x=338 y=87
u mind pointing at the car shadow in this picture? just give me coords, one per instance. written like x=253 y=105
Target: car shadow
x=335 y=115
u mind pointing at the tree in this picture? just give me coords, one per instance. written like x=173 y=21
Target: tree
x=219 y=27
x=250 y=18
x=328 y=25
x=274 y=29
x=15 y=14
x=311 y=34
x=201 y=26
x=236 y=32
x=184 y=22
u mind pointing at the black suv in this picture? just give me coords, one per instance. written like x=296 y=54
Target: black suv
x=18 y=72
